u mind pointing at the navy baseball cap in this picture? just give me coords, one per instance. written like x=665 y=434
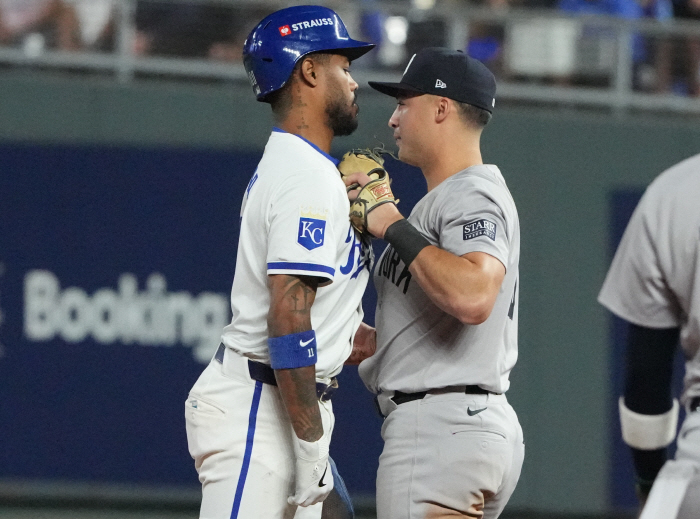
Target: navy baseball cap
x=448 y=73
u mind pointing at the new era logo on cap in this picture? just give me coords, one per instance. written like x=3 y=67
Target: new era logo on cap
x=285 y=30
x=440 y=84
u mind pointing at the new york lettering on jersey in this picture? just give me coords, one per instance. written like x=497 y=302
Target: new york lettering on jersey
x=392 y=268
x=470 y=212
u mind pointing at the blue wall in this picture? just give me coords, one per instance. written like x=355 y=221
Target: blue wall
x=93 y=383
x=116 y=271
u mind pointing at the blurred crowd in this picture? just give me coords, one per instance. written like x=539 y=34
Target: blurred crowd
x=163 y=28
x=561 y=52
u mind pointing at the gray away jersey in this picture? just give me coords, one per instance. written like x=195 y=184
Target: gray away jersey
x=654 y=279
x=419 y=346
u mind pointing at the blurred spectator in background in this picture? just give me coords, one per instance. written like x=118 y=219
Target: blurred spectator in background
x=687 y=51
x=175 y=29
x=426 y=31
x=620 y=8
x=228 y=46
x=372 y=28
x=650 y=61
x=197 y=30
x=653 y=57
x=486 y=41
x=38 y=24
x=96 y=19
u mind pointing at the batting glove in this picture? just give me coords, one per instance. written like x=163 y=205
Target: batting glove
x=314 y=478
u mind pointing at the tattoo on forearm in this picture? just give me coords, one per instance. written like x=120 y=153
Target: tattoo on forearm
x=298 y=390
x=302 y=296
x=291 y=298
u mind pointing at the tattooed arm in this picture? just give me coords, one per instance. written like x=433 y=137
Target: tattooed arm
x=291 y=298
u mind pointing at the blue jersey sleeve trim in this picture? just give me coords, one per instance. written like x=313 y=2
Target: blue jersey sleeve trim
x=332 y=159
x=310 y=267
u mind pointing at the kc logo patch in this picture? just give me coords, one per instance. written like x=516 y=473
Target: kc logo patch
x=285 y=30
x=311 y=232
x=479 y=228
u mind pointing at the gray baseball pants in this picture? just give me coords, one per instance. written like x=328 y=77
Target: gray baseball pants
x=449 y=454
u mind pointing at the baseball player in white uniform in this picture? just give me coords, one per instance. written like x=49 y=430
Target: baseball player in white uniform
x=654 y=285
x=447 y=307
x=259 y=418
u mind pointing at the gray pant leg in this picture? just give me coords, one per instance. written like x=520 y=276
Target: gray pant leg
x=441 y=459
x=494 y=507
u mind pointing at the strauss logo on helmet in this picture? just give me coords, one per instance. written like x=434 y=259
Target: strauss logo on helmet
x=286 y=30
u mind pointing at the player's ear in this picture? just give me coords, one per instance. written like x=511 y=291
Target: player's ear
x=443 y=107
x=309 y=71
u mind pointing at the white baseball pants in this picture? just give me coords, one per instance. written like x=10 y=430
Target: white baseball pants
x=240 y=437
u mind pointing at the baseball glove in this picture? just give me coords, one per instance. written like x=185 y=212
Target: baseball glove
x=374 y=193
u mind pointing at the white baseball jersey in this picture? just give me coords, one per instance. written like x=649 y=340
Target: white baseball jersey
x=654 y=279
x=294 y=220
x=421 y=347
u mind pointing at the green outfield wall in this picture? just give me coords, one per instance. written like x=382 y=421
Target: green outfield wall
x=560 y=165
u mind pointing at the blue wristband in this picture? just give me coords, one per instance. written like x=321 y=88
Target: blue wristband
x=295 y=350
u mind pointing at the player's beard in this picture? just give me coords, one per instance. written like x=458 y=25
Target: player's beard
x=342 y=117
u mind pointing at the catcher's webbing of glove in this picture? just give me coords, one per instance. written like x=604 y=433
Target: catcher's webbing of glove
x=375 y=193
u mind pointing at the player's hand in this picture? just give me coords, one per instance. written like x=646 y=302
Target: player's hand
x=363 y=345
x=376 y=218
x=314 y=477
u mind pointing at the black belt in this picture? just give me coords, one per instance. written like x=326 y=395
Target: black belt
x=694 y=404
x=265 y=374
x=401 y=398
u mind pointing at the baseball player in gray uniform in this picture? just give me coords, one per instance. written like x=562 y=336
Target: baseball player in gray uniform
x=654 y=285
x=447 y=308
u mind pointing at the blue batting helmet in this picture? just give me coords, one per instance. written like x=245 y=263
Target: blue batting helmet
x=281 y=39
